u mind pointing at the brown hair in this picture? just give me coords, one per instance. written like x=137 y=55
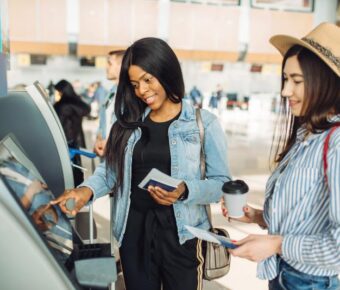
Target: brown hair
x=117 y=53
x=322 y=99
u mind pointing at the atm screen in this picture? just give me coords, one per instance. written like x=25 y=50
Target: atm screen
x=32 y=192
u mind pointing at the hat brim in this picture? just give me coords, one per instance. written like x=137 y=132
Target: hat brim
x=284 y=42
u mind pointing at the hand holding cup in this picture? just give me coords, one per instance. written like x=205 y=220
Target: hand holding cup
x=250 y=213
x=235 y=198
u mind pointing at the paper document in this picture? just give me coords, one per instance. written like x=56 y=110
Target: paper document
x=160 y=179
x=211 y=237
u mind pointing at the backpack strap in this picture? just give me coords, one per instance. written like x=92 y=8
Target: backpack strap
x=325 y=150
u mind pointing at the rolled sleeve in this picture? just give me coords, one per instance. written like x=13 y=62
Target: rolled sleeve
x=292 y=248
x=101 y=182
x=217 y=170
x=204 y=191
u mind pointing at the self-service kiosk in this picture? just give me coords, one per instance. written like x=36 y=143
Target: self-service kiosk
x=29 y=116
x=39 y=248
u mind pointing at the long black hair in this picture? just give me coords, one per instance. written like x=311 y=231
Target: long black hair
x=155 y=57
x=321 y=99
x=66 y=89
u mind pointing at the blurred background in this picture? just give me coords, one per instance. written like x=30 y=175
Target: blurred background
x=224 y=52
x=217 y=41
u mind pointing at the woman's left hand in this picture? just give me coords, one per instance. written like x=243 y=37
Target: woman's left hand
x=258 y=247
x=164 y=197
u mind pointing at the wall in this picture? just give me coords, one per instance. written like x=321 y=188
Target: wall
x=198 y=33
x=38 y=26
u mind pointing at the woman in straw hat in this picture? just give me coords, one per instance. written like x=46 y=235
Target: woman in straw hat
x=302 y=199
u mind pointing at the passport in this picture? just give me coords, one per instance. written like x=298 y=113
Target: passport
x=157 y=178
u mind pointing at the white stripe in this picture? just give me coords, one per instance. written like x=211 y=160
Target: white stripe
x=304 y=210
x=200 y=258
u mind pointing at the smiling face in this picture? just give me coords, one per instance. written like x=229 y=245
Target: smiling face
x=293 y=86
x=148 y=88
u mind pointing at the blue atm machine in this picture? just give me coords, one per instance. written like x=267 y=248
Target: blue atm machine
x=39 y=247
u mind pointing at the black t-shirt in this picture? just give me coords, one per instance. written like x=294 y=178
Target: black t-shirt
x=151 y=151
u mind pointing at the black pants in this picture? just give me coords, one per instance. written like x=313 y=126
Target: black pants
x=151 y=256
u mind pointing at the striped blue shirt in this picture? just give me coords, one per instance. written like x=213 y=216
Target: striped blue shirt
x=301 y=207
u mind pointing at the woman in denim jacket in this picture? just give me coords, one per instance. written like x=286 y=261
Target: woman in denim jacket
x=301 y=209
x=156 y=129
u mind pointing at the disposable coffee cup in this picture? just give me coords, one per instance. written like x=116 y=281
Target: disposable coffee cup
x=235 y=197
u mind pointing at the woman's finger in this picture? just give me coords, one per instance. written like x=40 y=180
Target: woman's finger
x=154 y=192
x=161 y=192
x=224 y=209
x=165 y=195
x=243 y=241
x=57 y=200
x=224 y=212
x=80 y=196
x=238 y=252
x=63 y=207
x=160 y=200
x=61 y=198
x=162 y=196
x=158 y=196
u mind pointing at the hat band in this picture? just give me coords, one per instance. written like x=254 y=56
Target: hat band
x=324 y=51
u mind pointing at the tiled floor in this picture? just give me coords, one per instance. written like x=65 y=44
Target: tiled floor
x=249 y=136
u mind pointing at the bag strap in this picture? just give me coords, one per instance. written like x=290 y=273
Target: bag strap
x=202 y=154
x=111 y=227
x=325 y=150
x=202 y=157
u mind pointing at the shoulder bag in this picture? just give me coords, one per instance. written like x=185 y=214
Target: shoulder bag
x=217 y=257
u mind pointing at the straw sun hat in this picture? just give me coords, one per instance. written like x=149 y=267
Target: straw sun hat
x=324 y=41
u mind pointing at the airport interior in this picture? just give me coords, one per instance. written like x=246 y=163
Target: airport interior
x=225 y=55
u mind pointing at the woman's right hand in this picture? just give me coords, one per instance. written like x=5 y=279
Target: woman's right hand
x=80 y=195
x=251 y=215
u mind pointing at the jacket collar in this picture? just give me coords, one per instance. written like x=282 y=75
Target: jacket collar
x=188 y=112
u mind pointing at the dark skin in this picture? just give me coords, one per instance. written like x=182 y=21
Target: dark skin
x=83 y=194
x=148 y=89
x=164 y=197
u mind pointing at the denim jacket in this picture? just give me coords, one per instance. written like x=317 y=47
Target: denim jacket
x=184 y=142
